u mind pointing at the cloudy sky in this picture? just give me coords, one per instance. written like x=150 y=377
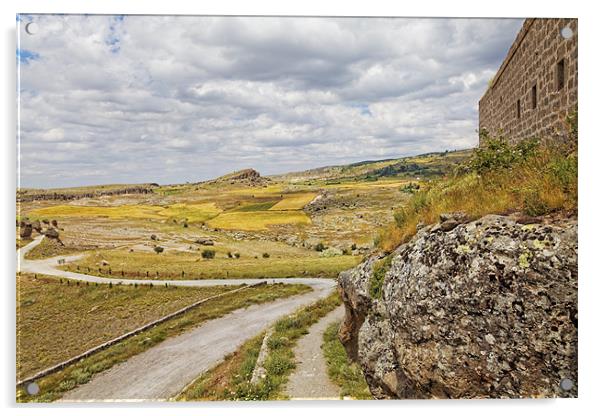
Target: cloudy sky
x=130 y=99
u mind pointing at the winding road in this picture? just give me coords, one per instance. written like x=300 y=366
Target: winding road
x=164 y=370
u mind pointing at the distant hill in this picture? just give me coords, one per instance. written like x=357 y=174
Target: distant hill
x=425 y=165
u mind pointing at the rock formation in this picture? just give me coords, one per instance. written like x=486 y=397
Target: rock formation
x=481 y=309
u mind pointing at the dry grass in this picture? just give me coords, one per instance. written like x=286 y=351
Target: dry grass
x=258 y=220
x=190 y=212
x=294 y=201
x=543 y=182
x=57 y=320
x=49 y=248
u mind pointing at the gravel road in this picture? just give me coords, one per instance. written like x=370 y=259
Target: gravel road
x=310 y=379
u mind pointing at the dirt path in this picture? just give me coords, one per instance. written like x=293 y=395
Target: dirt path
x=310 y=380
x=165 y=369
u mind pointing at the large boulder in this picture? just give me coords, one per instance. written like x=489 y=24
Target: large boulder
x=485 y=309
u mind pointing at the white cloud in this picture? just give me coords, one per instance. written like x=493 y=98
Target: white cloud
x=171 y=99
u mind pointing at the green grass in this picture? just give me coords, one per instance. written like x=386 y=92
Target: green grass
x=53 y=386
x=341 y=370
x=375 y=285
x=230 y=380
x=172 y=264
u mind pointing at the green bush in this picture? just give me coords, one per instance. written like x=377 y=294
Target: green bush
x=208 y=254
x=158 y=249
x=498 y=153
x=320 y=247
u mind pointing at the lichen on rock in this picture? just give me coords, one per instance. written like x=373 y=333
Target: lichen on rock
x=485 y=309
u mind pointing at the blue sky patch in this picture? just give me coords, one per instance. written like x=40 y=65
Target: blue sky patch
x=24 y=56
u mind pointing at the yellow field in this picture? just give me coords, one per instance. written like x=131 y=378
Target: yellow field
x=191 y=212
x=294 y=202
x=258 y=220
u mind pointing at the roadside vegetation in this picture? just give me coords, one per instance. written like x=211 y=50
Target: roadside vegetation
x=56 y=321
x=341 y=370
x=231 y=379
x=532 y=177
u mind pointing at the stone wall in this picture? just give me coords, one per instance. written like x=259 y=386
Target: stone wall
x=536 y=86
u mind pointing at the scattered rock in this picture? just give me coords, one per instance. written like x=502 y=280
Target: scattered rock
x=51 y=233
x=204 y=241
x=485 y=310
x=26 y=230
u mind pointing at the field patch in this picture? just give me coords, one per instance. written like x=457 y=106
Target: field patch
x=191 y=212
x=259 y=220
x=294 y=201
x=178 y=265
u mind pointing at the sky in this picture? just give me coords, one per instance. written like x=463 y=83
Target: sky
x=174 y=99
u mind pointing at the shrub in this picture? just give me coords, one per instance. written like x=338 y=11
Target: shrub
x=208 y=254
x=230 y=254
x=158 y=249
x=497 y=153
x=380 y=269
x=320 y=247
x=265 y=255
x=410 y=188
x=237 y=255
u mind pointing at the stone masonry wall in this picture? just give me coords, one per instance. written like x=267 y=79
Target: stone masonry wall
x=536 y=86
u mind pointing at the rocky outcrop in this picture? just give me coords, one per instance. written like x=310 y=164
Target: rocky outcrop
x=486 y=308
x=27 y=195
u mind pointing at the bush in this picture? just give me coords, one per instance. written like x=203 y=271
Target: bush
x=230 y=255
x=265 y=255
x=320 y=247
x=410 y=188
x=499 y=153
x=208 y=254
x=237 y=255
x=158 y=249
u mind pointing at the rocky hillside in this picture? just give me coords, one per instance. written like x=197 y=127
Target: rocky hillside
x=481 y=309
x=245 y=176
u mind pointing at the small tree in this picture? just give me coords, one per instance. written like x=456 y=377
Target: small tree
x=158 y=249
x=208 y=254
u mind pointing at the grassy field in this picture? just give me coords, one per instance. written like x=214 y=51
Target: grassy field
x=230 y=380
x=49 y=248
x=258 y=220
x=172 y=264
x=59 y=320
x=145 y=302
x=294 y=201
x=341 y=370
x=190 y=212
